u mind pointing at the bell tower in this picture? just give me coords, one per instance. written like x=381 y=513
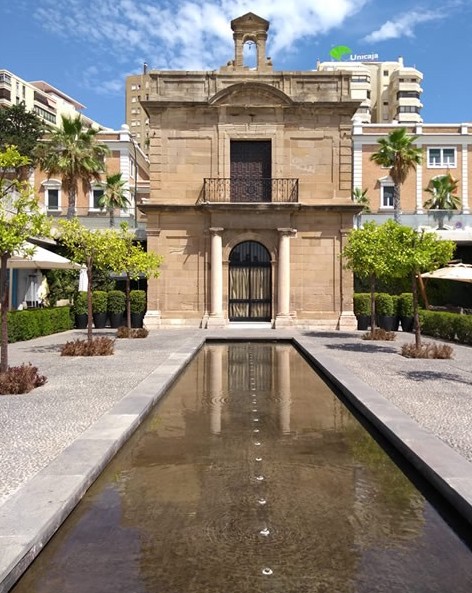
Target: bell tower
x=250 y=28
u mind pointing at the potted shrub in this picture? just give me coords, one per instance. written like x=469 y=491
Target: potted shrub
x=80 y=310
x=116 y=307
x=137 y=304
x=361 y=302
x=396 y=314
x=99 y=308
x=405 y=311
x=384 y=311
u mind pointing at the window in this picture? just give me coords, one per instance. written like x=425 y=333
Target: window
x=386 y=198
x=385 y=72
x=52 y=194
x=408 y=94
x=408 y=109
x=442 y=157
x=97 y=193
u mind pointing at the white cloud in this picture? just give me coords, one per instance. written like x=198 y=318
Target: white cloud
x=194 y=34
x=403 y=26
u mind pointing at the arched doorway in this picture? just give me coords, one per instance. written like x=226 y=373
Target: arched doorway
x=250 y=283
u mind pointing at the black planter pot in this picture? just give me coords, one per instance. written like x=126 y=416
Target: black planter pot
x=116 y=319
x=137 y=320
x=363 y=322
x=81 y=320
x=407 y=323
x=386 y=322
x=100 y=320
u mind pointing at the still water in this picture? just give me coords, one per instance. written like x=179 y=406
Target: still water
x=251 y=476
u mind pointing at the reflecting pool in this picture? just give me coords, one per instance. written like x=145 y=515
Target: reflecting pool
x=251 y=476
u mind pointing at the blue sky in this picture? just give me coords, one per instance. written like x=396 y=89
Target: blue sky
x=88 y=47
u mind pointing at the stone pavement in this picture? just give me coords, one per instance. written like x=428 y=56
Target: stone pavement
x=57 y=439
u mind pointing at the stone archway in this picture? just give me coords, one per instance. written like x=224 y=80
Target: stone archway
x=250 y=283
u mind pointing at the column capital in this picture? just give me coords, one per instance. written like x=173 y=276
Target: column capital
x=153 y=232
x=214 y=230
x=287 y=231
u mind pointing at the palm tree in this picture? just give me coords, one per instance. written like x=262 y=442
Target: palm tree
x=398 y=153
x=114 y=195
x=73 y=153
x=443 y=198
x=359 y=196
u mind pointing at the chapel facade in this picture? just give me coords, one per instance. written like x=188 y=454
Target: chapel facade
x=250 y=192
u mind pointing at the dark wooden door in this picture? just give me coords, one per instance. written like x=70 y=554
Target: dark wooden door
x=251 y=163
x=250 y=292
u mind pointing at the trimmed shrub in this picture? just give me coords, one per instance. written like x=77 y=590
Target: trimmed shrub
x=464 y=329
x=137 y=301
x=439 y=324
x=80 y=306
x=396 y=304
x=33 y=323
x=99 y=301
x=439 y=351
x=21 y=379
x=361 y=302
x=405 y=304
x=101 y=346
x=125 y=332
x=379 y=334
x=384 y=304
x=116 y=301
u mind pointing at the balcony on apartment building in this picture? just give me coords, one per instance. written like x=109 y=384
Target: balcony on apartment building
x=93 y=218
x=241 y=190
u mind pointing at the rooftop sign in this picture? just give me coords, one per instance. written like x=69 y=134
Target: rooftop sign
x=344 y=53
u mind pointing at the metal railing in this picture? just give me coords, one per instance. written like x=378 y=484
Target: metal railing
x=247 y=189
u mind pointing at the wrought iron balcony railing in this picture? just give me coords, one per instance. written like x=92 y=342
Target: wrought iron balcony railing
x=246 y=189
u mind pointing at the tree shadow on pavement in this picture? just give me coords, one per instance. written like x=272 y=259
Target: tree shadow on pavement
x=336 y=335
x=435 y=376
x=363 y=347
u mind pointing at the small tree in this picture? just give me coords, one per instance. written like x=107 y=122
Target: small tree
x=134 y=262
x=20 y=219
x=367 y=255
x=114 y=195
x=92 y=248
x=21 y=128
x=413 y=253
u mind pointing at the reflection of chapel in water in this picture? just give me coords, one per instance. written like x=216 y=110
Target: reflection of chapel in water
x=197 y=484
x=250 y=197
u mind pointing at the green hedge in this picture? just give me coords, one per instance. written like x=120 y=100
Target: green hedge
x=361 y=302
x=447 y=326
x=33 y=323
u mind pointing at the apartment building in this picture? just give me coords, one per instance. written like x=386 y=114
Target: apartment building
x=388 y=91
x=447 y=148
x=136 y=89
x=250 y=201
x=48 y=102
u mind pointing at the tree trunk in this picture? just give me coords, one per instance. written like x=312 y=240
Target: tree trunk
x=128 y=307
x=89 y=300
x=372 y=305
x=396 y=203
x=71 y=204
x=112 y=217
x=3 y=311
x=416 y=317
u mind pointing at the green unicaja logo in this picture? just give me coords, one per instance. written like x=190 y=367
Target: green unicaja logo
x=339 y=51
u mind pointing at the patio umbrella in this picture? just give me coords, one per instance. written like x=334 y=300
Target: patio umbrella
x=83 y=279
x=42 y=259
x=460 y=272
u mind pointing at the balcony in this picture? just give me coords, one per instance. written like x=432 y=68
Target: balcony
x=249 y=190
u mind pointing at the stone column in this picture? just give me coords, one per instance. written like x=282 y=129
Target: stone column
x=283 y=387
x=216 y=388
x=283 y=278
x=347 y=319
x=216 y=278
x=152 y=319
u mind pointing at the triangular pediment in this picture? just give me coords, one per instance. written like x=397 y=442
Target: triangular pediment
x=253 y=94
x=249 y=20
